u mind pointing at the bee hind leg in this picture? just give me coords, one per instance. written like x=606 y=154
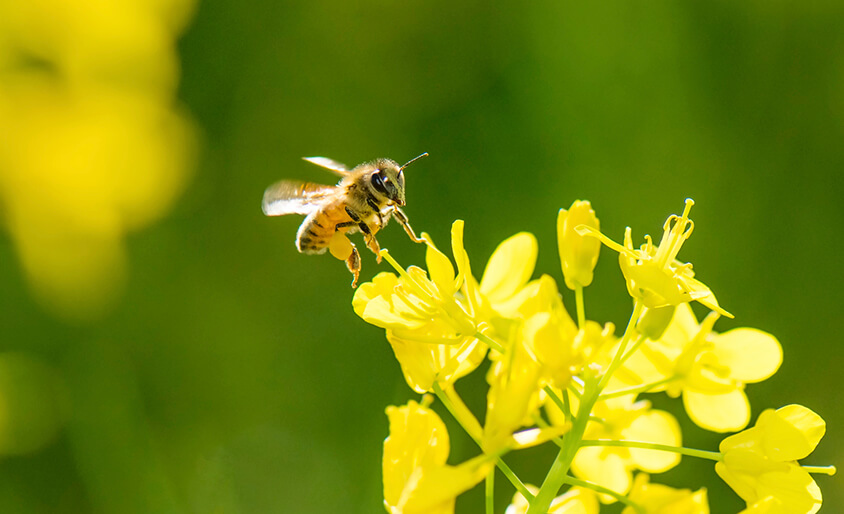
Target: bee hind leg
x=353 y=263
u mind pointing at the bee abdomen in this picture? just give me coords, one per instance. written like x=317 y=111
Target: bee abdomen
x=314 y=235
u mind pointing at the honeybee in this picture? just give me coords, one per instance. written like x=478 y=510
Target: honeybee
x=363 y=201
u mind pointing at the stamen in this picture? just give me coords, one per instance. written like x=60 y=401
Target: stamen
x=586 y=230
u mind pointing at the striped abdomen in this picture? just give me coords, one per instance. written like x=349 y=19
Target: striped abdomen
x=316 y=231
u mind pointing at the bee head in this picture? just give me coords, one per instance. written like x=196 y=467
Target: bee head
x=388 y=180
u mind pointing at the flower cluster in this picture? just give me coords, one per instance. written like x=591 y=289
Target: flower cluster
x=91 y=143
x=577 y=383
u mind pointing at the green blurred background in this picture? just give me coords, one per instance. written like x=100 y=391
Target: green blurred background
x=229 y=374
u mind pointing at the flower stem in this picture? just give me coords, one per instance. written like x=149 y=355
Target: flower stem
x=452 y=401
x=556 y=476
x=492 y=343
x=622 y=345
x=637 y=389
x=639 y=340
x=603 y=490
x=691 y=452
x=561 y=404
x=581 y=310
x=489 y=491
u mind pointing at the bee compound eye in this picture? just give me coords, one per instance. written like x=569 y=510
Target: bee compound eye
x=378 y=183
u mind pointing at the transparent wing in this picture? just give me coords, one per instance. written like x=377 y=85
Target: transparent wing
x=329 y=164
x=295 y=197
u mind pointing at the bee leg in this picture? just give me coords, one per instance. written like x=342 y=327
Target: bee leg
x=353 y=263
x=402 y=218
x=373 y=245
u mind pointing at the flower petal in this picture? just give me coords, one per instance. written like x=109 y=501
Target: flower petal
x=439 y=486
x=791 y=432
x=603 y=466
x=654 y=427
x=752 y=355
x=510 y=267
x=418 y=438
x=718 y=412
x=439 y=269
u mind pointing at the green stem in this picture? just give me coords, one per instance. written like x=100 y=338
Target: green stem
x=622 y=345
x=641 y=339
x=571 y=443
x=492 y=343
x=581 y=310
x=637 y=389
x=489 y=491
x=824 y=470
x=691 y=452
x=454 y=404
x=603 y=490
x=563 y=405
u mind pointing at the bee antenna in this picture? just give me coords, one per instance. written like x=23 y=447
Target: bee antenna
x=414 y=159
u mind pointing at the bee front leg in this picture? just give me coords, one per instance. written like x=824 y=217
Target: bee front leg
x=402 y=218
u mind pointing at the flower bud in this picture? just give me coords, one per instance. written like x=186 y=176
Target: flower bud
x=653 y=322
x=578 y=254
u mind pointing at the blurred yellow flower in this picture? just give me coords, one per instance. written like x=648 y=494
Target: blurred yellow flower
x=91 y=145
x=576 y=500
x=661 y=499
x=578 y=254
x=709 y=369
x=653 y=273
x=761 y=462
x=417 y=479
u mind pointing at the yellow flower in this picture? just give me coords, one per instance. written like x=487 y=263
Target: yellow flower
x=761 y=462
x=91 y=146
x=430 y=318
x=709 y=369
x=576 y=500
x=622 y=419
x=417 y=479
x=578 y=254
x=661 y=499
x=653 y=273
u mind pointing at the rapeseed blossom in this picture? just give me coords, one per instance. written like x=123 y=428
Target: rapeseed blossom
x=417 y=479
x=574 y=380
x=708 y=369
x=761 y=462
x=653 y=273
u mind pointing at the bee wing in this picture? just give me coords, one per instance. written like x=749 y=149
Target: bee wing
x=329 y=164
x=295 y=197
